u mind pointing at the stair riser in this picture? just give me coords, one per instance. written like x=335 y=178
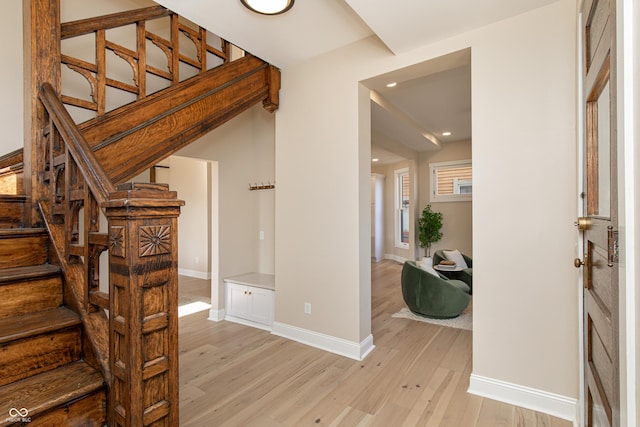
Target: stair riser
x=23 y=358
x=12 y=183
x=30 y=296
x=88 y=411
x=11 y=214
x=23 y=251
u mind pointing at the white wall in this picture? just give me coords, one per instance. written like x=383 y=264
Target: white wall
x=525 y=192
x=524 y=126
x=190 y=178
x=243 y=149
x=11 y=78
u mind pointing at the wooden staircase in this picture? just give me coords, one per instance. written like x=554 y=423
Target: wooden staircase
x=46 y=372
x=64 y=201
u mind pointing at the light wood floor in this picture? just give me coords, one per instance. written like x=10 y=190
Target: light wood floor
x=234 y=375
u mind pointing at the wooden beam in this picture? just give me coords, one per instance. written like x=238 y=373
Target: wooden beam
x=41 y=65
x=135 y=137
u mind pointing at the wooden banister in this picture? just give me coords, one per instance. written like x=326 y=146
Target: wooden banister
x=114 y=20
x=95 y=176
x=137 y=344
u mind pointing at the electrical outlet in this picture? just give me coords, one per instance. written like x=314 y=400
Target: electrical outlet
x=261 y=235
x=197 y=260
x=307 y=308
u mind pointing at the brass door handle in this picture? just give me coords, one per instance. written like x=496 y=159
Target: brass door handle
x=583 y=223
x=578 y=262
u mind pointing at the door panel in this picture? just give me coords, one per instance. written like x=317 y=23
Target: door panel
x=600 y=362
x=600 y=272
x=599 y=278
x=595 y=28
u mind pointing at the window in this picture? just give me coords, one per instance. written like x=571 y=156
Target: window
x=402 y=208
x=451 y=181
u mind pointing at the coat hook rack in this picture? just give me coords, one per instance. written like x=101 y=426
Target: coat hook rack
x=262 y=186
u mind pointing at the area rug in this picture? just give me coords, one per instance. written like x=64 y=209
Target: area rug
x=464 y=321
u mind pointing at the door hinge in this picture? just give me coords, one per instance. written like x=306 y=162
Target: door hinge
x=613 y=250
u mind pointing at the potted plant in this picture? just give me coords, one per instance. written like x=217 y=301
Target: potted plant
x=429 y=226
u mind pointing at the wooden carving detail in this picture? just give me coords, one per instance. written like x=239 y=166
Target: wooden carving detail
x=116 y=241
x=88 y=75
x=164 y=46
x=144 y=307
x=196 y=39
x=154 y=240
x=129 y=56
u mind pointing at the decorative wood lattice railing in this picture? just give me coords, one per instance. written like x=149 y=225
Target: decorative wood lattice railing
x=136 y=344
x=140 y=60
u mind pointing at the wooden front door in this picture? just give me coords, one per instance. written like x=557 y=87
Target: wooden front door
x=600 y=222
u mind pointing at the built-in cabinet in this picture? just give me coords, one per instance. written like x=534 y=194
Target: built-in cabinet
x=250 y=299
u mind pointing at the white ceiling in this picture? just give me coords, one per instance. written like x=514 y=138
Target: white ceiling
x=428 y=100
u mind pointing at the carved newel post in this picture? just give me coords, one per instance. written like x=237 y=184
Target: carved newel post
x=143 y=309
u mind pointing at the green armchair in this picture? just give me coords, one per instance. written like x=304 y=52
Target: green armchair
x=432 y=296
x=466 y=275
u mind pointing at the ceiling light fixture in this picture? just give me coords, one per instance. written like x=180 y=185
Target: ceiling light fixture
x=375 y=159
x=268 y=7
x=393 y=84
x=446 y=133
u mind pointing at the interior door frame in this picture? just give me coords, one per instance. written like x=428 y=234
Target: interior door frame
x=628 y=105
x=580 y=211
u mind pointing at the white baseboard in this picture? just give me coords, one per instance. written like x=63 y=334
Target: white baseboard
x=530 y=398
x=216 y=315
x=350 y=349
x=247 y=322
x=193 y=273
x=395 y=258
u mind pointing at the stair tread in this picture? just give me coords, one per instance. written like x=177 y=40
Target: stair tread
x=29 y=272
x=15 y=232
x=13 y=198
x=26 y=325
x=48 y=390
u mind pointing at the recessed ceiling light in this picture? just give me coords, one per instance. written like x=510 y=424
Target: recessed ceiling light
x=375 y=159
x=392 y=84
x=446 y=133
x=268 y=7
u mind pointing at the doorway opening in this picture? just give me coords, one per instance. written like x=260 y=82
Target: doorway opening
x=420 y=119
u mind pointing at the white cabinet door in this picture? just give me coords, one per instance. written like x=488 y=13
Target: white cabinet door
x=237 y=300
x=261 y=305
x=250 y=303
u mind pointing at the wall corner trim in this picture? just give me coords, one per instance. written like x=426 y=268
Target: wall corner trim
x=342 y=347
x=526 y=397
x=396 y=258
x=216 y=315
